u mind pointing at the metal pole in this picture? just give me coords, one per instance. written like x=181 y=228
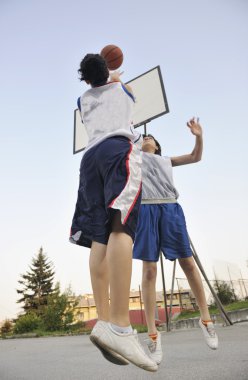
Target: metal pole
x=171 y=295
x=243 y=283
x=179 y=293
x=217 y=300
x=240 y=285
x=233 y=292
x=145 y=131
x=164 y=290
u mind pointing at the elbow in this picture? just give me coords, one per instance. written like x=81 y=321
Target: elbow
x=195 y=159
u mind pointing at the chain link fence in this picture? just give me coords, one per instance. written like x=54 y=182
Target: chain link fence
x=239 y=289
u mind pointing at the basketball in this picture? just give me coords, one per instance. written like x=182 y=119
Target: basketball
x=113 y=56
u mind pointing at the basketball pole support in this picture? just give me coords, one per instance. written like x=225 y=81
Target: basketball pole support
x=219 y=305
x=145 y=130
x=164 y=291
x=171 y=295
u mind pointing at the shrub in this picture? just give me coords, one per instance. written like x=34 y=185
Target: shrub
x=57 y=315
x=6 y=327
x=27 y=323
x=224 y=292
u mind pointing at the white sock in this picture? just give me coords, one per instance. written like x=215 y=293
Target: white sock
x=122 y=330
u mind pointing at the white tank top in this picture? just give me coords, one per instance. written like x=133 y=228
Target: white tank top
x=106 y=111
x=157 y=179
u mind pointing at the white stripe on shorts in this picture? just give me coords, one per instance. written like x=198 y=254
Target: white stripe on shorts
x=126 y=200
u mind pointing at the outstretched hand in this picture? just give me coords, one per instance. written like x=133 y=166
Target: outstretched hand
x=115 y=76
x=195 y=126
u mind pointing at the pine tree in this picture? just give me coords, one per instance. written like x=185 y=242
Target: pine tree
x=37 y=284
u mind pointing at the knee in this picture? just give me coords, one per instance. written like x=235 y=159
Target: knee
x=150 y=272
x=98 y=272
x=188 y=265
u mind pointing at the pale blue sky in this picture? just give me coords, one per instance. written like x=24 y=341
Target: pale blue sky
x=201 y=47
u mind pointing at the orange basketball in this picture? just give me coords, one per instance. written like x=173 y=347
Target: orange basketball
x=113 y=56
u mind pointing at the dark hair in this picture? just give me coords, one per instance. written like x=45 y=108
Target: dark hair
x=157 y=151
x=93 y=68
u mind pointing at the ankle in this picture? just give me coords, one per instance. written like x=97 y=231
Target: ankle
x=206 y=321
x=122 y=330
x=153 y=336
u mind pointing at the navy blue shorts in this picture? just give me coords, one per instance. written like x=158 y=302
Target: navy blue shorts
x=110 y=180
x=161 y=227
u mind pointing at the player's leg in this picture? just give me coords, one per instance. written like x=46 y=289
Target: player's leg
x=100 y=285
x=117 y=337
x=90 y=220
x=146 y=248
x=119 y=258
x=149 y=276
x=176 y=245
x=193 y=276
x=100 y=279
x=121 y=192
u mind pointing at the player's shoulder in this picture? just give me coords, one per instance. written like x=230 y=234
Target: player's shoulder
x=150 y=156
x=156 y=158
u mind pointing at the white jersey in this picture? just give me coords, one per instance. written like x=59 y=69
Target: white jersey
x=106 y=111
x=157 y=179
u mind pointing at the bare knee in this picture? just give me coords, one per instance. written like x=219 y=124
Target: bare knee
x=149 y=271
x=188 y=265
x=99 y=272
x=97 y=260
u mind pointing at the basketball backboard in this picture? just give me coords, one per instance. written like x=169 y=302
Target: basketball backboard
x=150 y=103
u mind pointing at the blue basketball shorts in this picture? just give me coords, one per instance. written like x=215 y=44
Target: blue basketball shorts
x=161 y=227
x=110 y=180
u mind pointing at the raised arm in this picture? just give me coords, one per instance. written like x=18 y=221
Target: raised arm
x=115 y=77
x=196 y=154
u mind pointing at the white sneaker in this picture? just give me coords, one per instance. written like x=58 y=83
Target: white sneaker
x=112 y=357
x=125 y=345
x=209 y=334
x=155 y=348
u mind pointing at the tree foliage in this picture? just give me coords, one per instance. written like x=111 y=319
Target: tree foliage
x=58 y=314
x=37 y=284
x=28 y=323
x=6 y=327
x=45 y=307
x=224 y=292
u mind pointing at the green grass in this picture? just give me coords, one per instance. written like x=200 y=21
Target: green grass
x=237 y=305
x=213 y=310
x=41 y=333
x=140 y=328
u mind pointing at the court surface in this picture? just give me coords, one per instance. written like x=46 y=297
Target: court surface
x=186 y=357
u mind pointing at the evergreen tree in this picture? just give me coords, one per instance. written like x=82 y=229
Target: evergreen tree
x=37 y=284
x=224 y=292
x=59 y=314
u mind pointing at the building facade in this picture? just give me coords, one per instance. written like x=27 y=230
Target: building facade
x=85 y=309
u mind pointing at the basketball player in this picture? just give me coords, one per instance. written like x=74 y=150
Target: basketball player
x=107 y=208
x=162 y=227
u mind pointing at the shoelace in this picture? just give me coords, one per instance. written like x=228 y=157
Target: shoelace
x=151 y=345
x=211 y=331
